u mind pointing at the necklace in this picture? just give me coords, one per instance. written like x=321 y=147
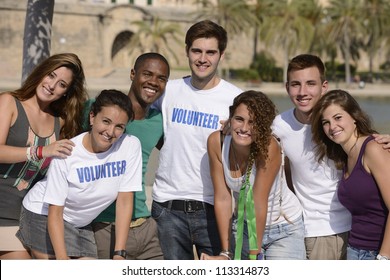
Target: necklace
x=238 y=173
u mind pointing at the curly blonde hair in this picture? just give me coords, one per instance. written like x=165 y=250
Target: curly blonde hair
x=262 y=111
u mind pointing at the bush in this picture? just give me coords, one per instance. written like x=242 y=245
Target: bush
x=265 y=65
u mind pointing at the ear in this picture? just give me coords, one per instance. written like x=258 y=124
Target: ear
x=91 y=118
x=132 y=74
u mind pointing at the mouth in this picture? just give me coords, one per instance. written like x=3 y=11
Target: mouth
x=335 y=134
x=150 y=91
x=47 y=91
x=244 y=135
x=107 y=137
x=303 y=101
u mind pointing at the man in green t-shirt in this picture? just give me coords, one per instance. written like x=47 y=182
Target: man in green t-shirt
x=149 y=77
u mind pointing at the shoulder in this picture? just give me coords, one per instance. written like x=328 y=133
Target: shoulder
x=6 y=97
x=233 y=88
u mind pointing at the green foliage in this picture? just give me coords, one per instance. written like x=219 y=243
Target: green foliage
x=265 y=66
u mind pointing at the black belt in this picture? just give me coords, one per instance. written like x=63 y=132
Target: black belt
x=187 y=206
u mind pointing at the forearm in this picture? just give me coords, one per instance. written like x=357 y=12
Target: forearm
x=124 y=210
x=223 y=214
x=55 y=224
x=10 y=154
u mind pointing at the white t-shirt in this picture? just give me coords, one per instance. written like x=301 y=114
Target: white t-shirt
x=189 y=117
x=86 y=183
x=290 y=204
x=315 y=184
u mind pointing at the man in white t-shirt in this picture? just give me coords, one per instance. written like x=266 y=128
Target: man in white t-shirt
x=326 y=221
x=192 y=108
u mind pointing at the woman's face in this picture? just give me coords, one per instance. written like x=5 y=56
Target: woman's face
x=338 y=125
x=241 y=126
x=55 y=84
x=107 y=127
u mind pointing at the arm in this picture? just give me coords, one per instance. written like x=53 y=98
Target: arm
x=378 y=162
x=55 y=224
x=9 y=154
x=222 y=194
x=124 y=211
x=266 y=172
x=12 y=154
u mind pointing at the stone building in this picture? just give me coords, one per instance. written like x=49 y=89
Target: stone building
x=97 y=31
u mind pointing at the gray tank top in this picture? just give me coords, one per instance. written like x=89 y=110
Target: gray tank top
x=17 y=178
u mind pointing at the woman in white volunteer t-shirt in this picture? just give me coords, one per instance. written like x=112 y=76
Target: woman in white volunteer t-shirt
x=105 y=165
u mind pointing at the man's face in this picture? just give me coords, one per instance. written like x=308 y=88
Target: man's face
x=305 y=89
x=204 y=57
x=149 y=81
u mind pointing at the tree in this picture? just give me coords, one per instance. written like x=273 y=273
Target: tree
x=37 y=34
x=346 y=29
x=287 y=29
x=376 y=24
x=154 y=35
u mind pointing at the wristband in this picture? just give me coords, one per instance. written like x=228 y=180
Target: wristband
x=121 y=253
x=227 y=254
x=28 y=153
x=39 y=152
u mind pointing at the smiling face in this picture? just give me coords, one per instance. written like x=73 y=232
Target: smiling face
x=149 y=81
x=204 y=57
x=338 y=125
x=107 y=127
x=305 y=88
x=241 y=126
x=54 y=85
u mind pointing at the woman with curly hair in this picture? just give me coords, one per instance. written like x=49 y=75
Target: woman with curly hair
x=37 y=121
x=343 y=133
x=267 y=217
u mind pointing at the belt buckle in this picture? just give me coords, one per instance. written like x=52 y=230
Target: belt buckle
x=189 y=206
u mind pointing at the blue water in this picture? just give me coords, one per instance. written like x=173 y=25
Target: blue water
x=378 y=108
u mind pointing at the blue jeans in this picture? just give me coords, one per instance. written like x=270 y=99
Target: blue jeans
x=280 y=242
x=178 y=231
x=360 y=254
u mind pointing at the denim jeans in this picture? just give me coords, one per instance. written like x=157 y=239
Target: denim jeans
x=360 y=254
x=178 y=231
x=280 y=242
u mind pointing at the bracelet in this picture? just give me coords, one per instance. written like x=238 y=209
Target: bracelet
x=28 y=153
x=227 y=254
x=39 y=152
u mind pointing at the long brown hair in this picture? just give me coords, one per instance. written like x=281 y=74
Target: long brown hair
x=325 y=146
x=68 y=107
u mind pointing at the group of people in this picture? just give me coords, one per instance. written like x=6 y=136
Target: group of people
x=263 y=186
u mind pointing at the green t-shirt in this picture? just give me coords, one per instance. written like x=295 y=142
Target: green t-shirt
x=148 y=131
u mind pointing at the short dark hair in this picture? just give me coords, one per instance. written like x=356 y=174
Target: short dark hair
x=111 y=97
x=150 y=55
x=207 y=29
x=304 y=61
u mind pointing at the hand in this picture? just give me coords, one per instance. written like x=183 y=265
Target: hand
x=225 y=126
x=61 y=149
x=205 y=256
x=383 y=139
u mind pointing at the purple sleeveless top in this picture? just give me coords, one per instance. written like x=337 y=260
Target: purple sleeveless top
x=361 y=196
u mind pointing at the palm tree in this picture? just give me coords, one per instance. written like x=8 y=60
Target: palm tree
x=235 y=16
x=155 y=36
x=287 y=29
x=345 y=28
x=376 y=23
x=37 y=34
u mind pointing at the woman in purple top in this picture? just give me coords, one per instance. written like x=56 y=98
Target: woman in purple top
x=343 y=133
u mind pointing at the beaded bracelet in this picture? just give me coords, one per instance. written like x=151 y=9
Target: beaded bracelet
x=28 y=153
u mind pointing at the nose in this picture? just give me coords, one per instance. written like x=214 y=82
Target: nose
x=111 y=130
x=202 y=57
x=245 y=127
x=52 y=84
